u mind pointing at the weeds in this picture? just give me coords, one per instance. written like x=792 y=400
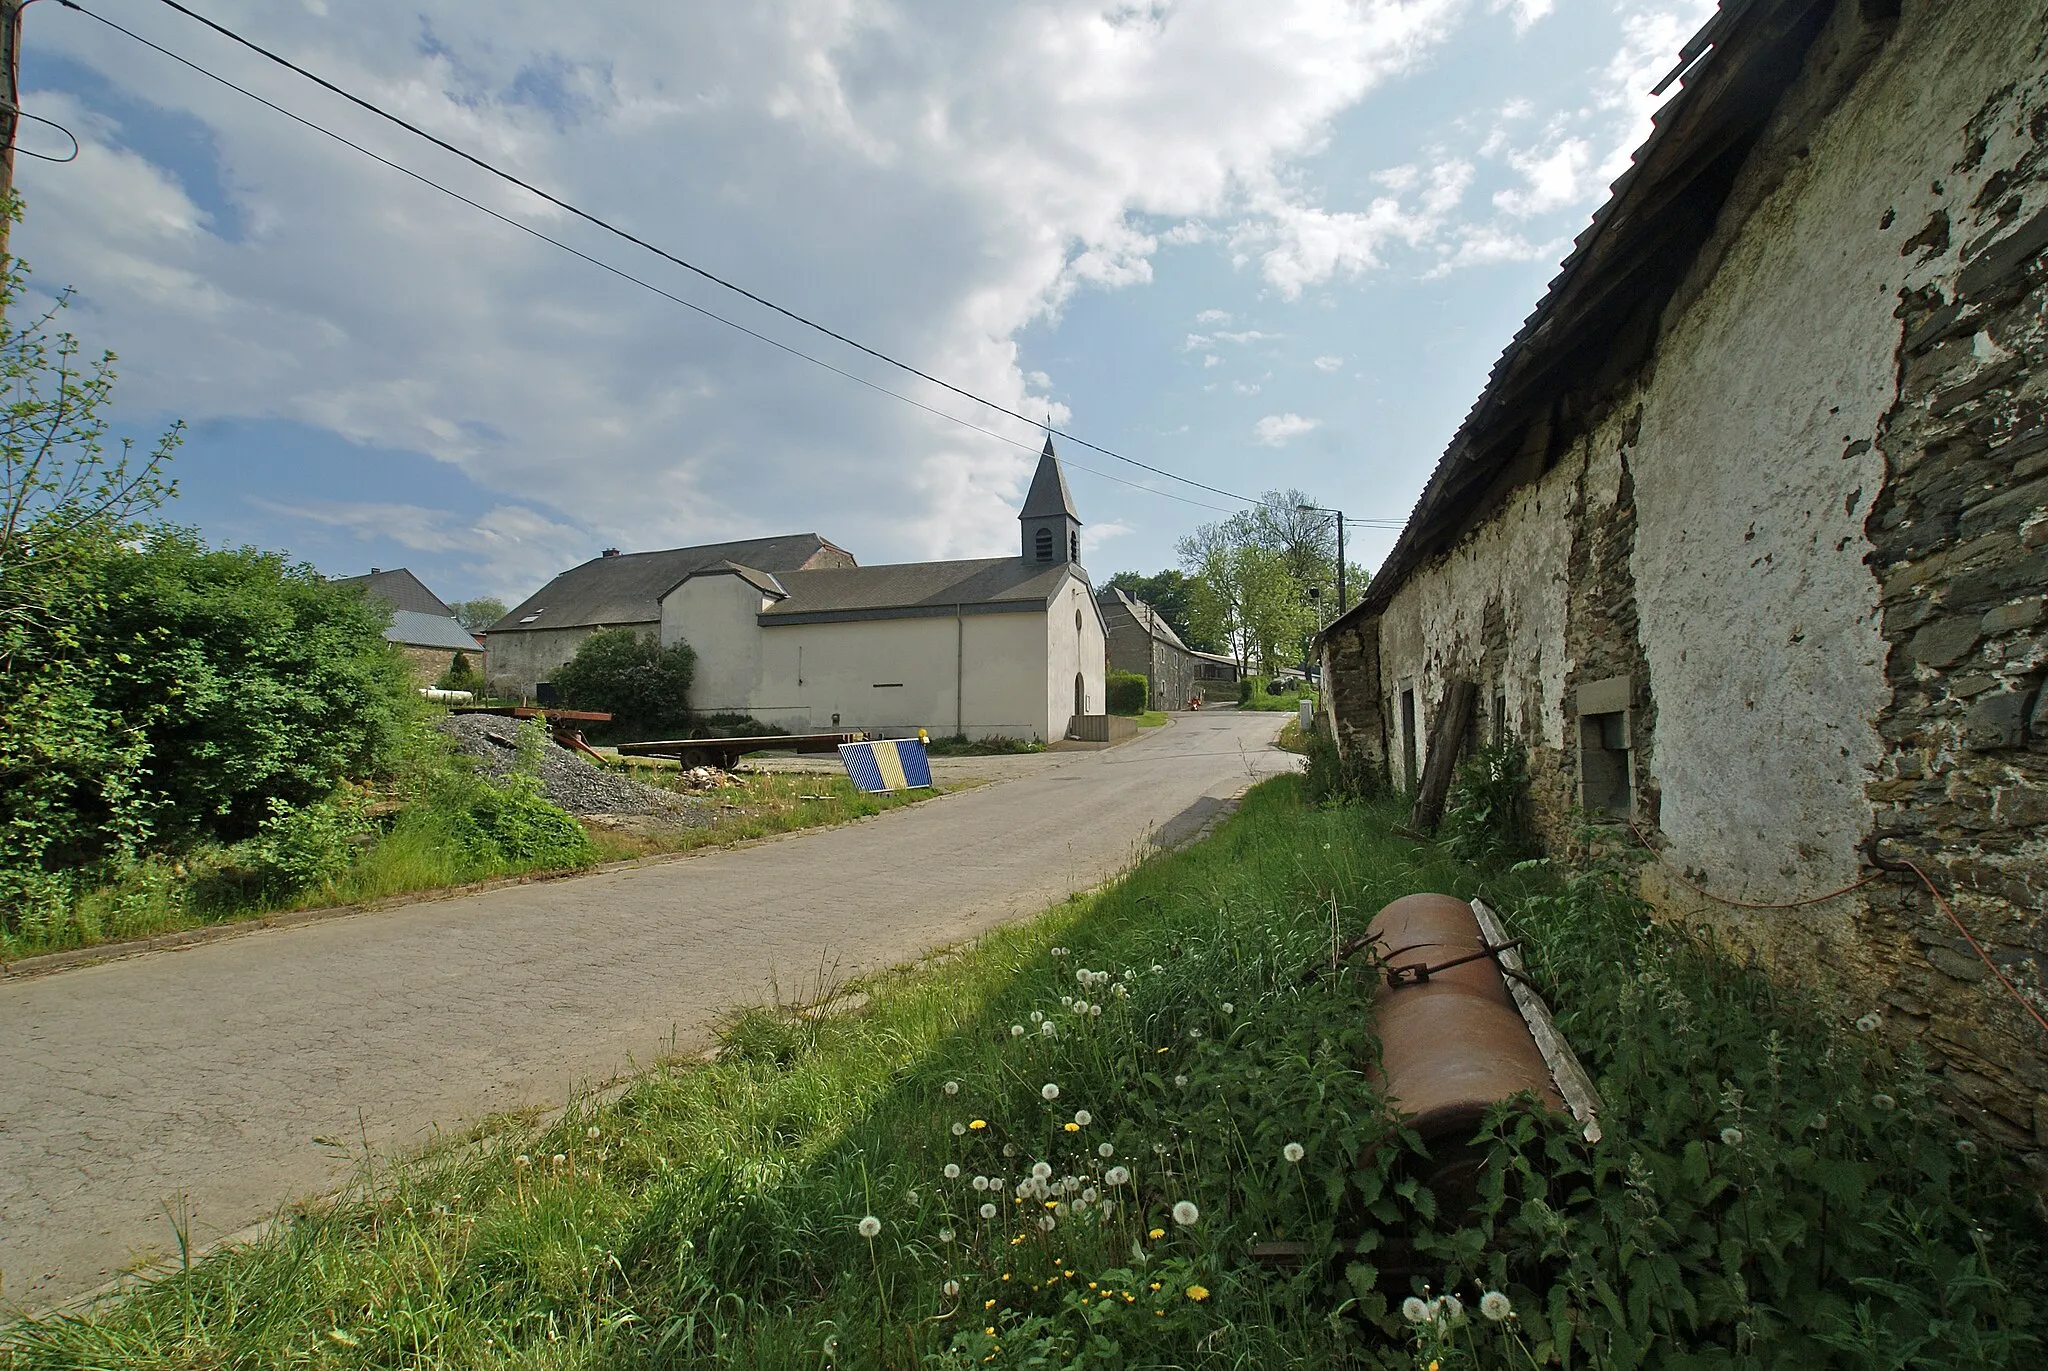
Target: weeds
x=1058 y=1147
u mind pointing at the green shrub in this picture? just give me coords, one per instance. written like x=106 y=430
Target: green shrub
x=460 y=675
x=1244 y=690
x=302 y=849
x=1333 y=779
x=1126 y=692
x=644 y=686
x=1487 y=818
x=515 y=826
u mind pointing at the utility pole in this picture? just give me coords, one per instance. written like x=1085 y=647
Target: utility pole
x=1342 y=602
x=10 y=101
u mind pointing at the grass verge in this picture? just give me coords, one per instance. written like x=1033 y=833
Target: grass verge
x=971 y=1171
x=1286 y=702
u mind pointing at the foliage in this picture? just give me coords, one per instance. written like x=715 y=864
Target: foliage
x=1771 y=1189
x=1170 y=593
x=460 y=675
x=644 y=686
x=1276 y=694
x=310 y=847
x=1245 y=598
x=1128 y=692
x=993 y=745
x=1487 y=818
x=479 y=614
x=1333 y=779
x=1244 y=690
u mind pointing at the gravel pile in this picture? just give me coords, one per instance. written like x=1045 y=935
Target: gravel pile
x=566 y=779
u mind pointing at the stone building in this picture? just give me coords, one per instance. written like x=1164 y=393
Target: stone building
x=422 y=627
x=1747 y=537
x=1141 y=641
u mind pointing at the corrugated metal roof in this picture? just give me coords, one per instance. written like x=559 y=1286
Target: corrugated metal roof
x=429 y=630
x=400 y=589
x=919 y=585
x=627 y=589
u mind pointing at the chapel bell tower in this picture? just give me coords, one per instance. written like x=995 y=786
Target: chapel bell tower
x=1052 y=530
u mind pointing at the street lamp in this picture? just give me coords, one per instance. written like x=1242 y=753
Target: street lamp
x=1318 y=509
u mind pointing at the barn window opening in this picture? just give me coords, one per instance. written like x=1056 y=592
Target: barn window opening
x=1408 y=737
x=1043 y=543
x=1605 y=775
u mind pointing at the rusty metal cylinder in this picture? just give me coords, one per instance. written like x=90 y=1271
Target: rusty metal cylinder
x=1452 y=1043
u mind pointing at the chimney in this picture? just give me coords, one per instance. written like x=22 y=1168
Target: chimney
x=611 y=552
x=376 y=571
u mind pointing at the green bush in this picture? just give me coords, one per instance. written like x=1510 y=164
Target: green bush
x=644 y=686
x=1487 y=818
x=1244 y=690
x=1126 y=692
x=460 y=675
x=1333 y=779
x=302 y=849
x=514 y=825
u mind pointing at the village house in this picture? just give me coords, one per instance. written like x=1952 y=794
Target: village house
x=1746 y=539
x=625 y=590
x=424 y=629
x=990 y=647
x=1141 y=641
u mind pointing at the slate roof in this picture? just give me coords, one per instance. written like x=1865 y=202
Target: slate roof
x=401 y=590
x=1599 y=318
x=1146 y=617
x=914 y=588
x=413 y=629
x=1048 y=495
x=627 y=589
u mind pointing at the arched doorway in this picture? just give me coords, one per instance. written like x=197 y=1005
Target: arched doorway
x=1080 y=694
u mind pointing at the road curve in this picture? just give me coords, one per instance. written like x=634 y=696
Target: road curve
x=199 y=1080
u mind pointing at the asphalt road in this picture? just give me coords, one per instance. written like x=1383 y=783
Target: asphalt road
x=199 y=1081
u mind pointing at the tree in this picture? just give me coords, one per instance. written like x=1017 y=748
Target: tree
x=644 y=686
x=1253 y=574
x=478 y=614
x=1289 y=523
x=1171 y=594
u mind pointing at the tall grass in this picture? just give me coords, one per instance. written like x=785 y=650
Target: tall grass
x=715 y=1215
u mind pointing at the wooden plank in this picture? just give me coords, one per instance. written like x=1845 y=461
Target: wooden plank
x=1572 y=1081
x=1446 y=732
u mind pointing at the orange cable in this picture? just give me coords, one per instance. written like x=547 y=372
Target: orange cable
x=1745 y=904
x=1990 y=965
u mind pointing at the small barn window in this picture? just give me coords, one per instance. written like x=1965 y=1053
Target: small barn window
x=1043 y=543
x=1606 y=781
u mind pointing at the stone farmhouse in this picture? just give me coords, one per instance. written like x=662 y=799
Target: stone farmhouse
x=424 y=628
x=1140 y=640
x=1747 y=537
x=793 y=632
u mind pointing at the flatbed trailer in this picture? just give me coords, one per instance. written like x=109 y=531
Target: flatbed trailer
x=725 y=753
x=565 y=724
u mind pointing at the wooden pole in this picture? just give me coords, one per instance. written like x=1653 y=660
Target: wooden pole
x=10 y=103
x=1446 y=733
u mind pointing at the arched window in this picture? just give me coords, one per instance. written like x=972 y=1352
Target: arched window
x=1043 y=542
x=1073 y=547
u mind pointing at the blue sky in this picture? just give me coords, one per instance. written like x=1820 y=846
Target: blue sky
x=1273 y=245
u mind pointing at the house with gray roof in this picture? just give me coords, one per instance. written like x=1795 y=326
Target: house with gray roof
x=1141 y=641
x=625 y=590
x=424 y=628
x=994 y=646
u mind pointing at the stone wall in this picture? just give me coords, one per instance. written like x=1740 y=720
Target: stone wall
x=1802 y=551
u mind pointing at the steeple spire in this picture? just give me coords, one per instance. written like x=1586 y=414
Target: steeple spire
x=1051 y=525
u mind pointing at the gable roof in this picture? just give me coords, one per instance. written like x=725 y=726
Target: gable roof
x=413 y=629
x=1599 y=319
x=1146 y=617
x=911 y=589
x=627 y=588
x=401 y=590
x=1048 y=497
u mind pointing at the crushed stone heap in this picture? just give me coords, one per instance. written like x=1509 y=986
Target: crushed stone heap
x=568 y=780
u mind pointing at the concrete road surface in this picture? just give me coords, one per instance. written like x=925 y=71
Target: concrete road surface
x=199 y=1080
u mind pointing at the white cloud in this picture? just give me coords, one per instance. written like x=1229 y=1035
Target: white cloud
x=1212 y=360
x=1556 y=178
x=1276 y=429
x=1525 y=13
x=1328 y=363
x=508 y=541
x=1213 y=316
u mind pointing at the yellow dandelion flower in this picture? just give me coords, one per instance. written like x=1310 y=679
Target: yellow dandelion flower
x=1006 y=1275
x=1156 y=1233
x=978 y=1123
x=1073 y=1128
x=1198 y=1293
x=1155 y=1285
x=990 y=1305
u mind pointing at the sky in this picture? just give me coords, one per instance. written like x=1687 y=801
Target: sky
x=1259 y=246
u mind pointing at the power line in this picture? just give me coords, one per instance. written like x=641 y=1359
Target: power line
x=622 y=274
x=611 y=228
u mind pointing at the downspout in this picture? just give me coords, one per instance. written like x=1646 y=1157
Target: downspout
x=959 y=672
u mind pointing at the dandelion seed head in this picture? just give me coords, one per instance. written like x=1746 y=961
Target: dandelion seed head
x=1040 y=1170
x=1046 y=1030
x=945 y=1235
x=1966 y=1147
x=1293 y=1152
x=1049 y=1090
x=870 y=1226
x=1083 y=1117
x=988 y=1211
x=951 y=1087
x=1414 y=1310
x=1106 y=1150
x=1732 y=1136
x=1094 y=1011
x=1116 y=1175
x=1180 y=1081
x=1495 y=1306
x=1066 y=1001
x=1047 y=1222
x=959 y=1130
x=1883 y=1102
x=1038 y=1016
x=593 y=1133
x=981 y=1182
x=951 y=1289
x=1185 y=1214
x=952 y=1172
x=1229 y=1008
x=1009 y=1149
x=1016 y=1030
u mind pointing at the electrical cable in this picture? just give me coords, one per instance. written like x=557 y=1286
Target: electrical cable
x=708 y=275
x=44 y=156
x=619 y=272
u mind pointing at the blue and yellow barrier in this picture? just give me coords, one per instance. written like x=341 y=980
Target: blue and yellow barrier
x=887 y=764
